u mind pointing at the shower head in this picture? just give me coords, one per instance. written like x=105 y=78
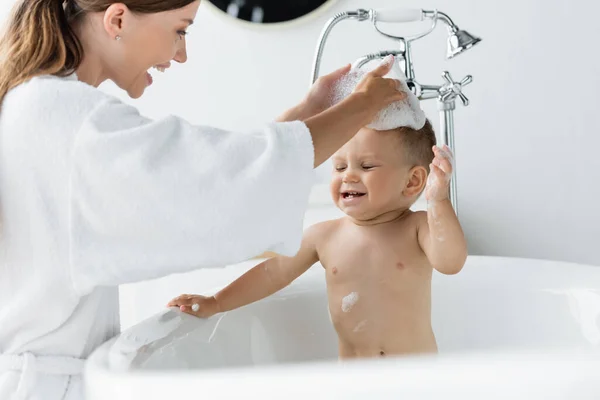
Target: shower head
x=460 y=41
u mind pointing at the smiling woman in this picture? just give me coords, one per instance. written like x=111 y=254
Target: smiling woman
x=143 y=40
x=122 y=40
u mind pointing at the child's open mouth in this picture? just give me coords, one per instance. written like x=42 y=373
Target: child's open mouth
x=352 y=195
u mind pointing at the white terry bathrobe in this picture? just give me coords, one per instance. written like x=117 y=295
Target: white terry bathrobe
x=93 y=195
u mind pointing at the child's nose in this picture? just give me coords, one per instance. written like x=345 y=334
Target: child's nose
x=350 y=177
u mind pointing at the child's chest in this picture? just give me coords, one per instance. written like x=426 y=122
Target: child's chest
x=372 y=257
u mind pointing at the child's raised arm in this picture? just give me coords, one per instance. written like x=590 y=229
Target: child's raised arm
x=441 y=236
x=261 y=281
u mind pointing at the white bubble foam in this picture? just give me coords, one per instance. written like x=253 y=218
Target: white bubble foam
x=360 y=327
x=349 y=301
x=402 y=113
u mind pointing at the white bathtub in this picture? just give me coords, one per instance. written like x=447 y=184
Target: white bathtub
x=506 y=328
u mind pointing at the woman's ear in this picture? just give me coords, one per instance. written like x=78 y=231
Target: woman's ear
x=417 y=179
x=113 y=20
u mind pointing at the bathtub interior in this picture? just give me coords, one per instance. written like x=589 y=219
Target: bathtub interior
x=493 y=304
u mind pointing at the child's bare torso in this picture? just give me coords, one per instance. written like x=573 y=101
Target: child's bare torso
x=379 y=288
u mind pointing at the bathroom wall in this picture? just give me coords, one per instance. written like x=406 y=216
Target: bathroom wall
x=526 y=147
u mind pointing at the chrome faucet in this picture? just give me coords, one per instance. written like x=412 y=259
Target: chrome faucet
x=446 y=93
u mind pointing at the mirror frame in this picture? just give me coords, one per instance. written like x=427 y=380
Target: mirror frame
x=322 y=9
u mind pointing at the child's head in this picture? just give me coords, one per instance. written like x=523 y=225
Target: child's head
x=381 y=171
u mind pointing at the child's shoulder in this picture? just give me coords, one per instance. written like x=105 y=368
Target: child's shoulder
x=324 y=227
x=317 y=233
x=419 y=216
x=417 y=219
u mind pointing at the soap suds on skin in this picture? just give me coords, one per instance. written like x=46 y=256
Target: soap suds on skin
x=361 y=326
x=433 y=180
x=436 y=221
x=349 y=301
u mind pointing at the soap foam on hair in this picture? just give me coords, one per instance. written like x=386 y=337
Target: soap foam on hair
x=403 y=113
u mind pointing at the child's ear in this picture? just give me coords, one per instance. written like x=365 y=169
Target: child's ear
x=417 y=179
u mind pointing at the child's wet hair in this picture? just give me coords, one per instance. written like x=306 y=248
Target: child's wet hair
x=417 y=144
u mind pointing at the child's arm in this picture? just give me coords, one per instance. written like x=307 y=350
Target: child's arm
x=261 y=281
x=441 y=236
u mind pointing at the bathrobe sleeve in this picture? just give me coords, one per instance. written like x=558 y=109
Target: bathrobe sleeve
x=150 y=198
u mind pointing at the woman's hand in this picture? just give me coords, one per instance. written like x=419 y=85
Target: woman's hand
x=332 y=128
x=380 y=91
x=317 y=99
x=196 y=305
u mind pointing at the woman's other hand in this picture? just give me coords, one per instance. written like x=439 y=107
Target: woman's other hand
x=318 y=98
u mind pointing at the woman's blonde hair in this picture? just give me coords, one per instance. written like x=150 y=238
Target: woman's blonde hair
x=39 y=39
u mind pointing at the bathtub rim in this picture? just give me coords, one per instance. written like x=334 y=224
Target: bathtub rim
x=97 y=372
